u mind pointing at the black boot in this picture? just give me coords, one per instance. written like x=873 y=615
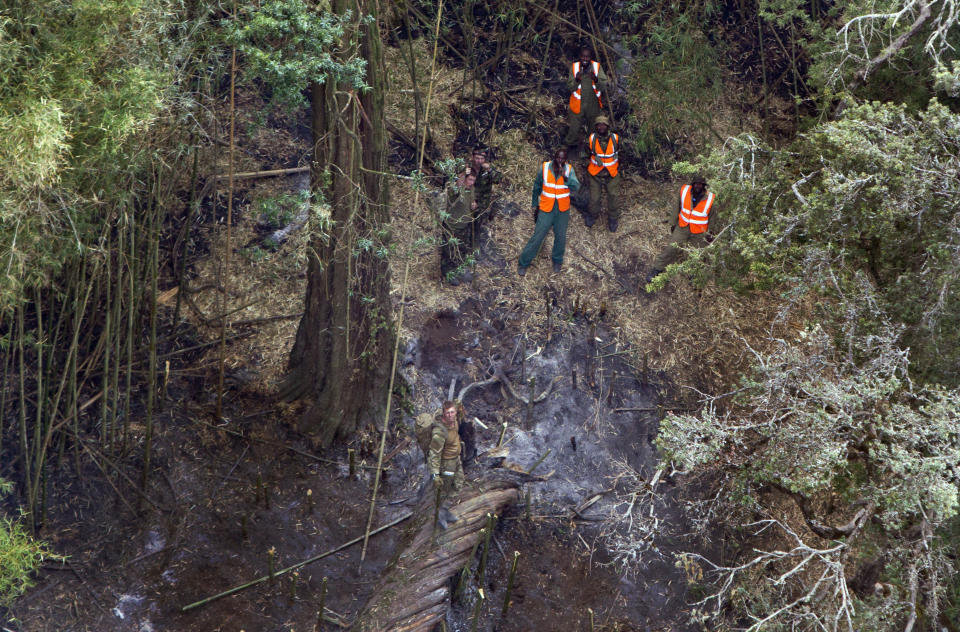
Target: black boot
x=652 y=275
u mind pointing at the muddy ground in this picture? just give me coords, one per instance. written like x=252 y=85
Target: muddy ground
x=223 y=502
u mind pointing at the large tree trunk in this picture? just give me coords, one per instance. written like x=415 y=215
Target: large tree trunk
x=340 y=358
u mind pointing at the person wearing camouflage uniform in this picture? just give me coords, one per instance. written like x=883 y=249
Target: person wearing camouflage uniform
x=443 y=454
x=487 y=176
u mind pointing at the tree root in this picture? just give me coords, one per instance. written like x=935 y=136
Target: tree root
x=501 y=377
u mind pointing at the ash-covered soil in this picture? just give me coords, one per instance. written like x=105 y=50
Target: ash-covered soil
x=592 y=436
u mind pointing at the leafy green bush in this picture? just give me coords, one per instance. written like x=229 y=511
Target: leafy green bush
x=865 y=202
x=82 y=87
x=673 y=86
x=277 y=211
x=289 y=44
x=815 y=424
x=20 y=555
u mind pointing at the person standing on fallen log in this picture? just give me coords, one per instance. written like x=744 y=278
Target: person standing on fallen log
x=457 y=225
x=551 y=209
x=603 y=169
x=587 y=85
x=443 y=452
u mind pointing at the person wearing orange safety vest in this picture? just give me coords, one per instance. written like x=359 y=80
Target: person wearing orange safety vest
x=555 y=183
x=588 y=85
x=692 y=225
x=603 y=168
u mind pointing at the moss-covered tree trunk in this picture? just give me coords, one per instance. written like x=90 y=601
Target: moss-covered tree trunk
x=341 y=356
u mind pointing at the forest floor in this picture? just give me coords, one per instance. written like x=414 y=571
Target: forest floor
x=231 y=498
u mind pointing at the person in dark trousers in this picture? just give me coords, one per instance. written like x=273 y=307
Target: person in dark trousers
x=552 y=187
x=603 y=172
x=692 y=225
x=460 y=206
x=587 y=85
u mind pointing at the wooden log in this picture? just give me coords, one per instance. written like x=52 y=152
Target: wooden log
x=413 y=592
x=247 y=175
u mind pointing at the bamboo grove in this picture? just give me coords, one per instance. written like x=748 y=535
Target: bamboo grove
x=105 y=114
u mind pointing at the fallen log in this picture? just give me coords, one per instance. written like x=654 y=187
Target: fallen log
x=413 y=592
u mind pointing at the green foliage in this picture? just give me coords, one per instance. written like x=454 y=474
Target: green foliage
x=674 y=85
x=450 y=167
x=290 y=44
x=277 y=211
x=866 y=203
x=819 y=424
x=82 y=87
x=857 y=34
x=20 y=555
x=815 y=421
x=950 y=535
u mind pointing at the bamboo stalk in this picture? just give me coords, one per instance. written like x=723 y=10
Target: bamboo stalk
x=286 y=570
x=578 y=28
x=482 y=569
x=539 y=461
x=108 y=349
x=403 y=293
x=323 y=603
x=510 y=580
x=7 y=359
x=192 y=204
x=532 y=396
x=38 y=417
x=153 y=266
x=763 y=66
x=131 y=310
x=412 y=63
x=226 y=255
x=248 y=175
x=49 y=426
x=476 y=610
x=465 y=573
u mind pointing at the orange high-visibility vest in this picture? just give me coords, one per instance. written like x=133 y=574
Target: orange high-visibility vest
x=554 y=189
x=601 y=158
x=575 y=95
x=697 y=216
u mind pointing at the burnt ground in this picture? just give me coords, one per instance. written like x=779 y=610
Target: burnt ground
x=226 y=496
x=565 y=570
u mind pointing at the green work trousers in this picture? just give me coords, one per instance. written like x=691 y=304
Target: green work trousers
x=554 y=220
x=575 y=123
x=451 y=473
x=598 y=183
x=679 y=236
x=453 y=254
